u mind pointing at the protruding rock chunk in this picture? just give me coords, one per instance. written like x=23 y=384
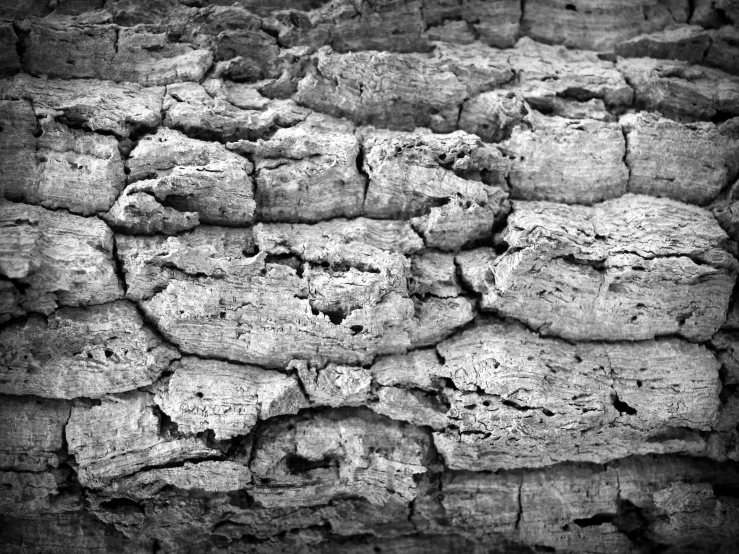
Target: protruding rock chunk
x=493 y=115
x=61 y=259
x=595 y=25
x=78 y=352
x=311 y=459
x=398 y=91
x=476 y=268
x=433 y=273
x=210 y=476
x=418 y=369
x=450 y=185
x=31 y=433
x=571 y=161
x=308 y=172
x=576 y=508
x=227 y=398
x=336 y=385
x=627 y=269
x=525 y=401
x=565 y=82
x=19 y=172
x=62 y=48
x=118 y=108
x=435 y=318
x=150 y=263
x=681 y=91
x=494 y=22
x=192 y=110
x=178 y=182
x=724 y=49
x=320 y=293
x=691 y=163
x=63 y=168
x=688 y=43
x=122 y=436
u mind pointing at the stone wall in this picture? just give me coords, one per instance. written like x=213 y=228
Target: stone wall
x=398 y=276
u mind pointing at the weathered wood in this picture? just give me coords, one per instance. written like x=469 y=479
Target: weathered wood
x=312 y=458
x=32 y=433
x=628 y=269
x=689 y=43
x=226 y=398
x=361 y=86
x=593 y=25
x=347 y=302
x=60 y=259
x=192 y=110
x=562 y=81
x=63 y=168
x=200 y=182
x=119 y=108
x=524 y=401
x=307 y=172
x=63 y=48
x=79 y=352
x=149 y=263
x=679 y=90
x=691 y=163
x=571 y=161
x=122 y=436
x=450 y=185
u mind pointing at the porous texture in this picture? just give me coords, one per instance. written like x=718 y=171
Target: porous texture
x=409 y=276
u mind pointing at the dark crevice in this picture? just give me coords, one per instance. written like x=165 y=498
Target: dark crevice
x=621 y=406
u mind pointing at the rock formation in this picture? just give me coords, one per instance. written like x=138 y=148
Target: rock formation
x=410 y=276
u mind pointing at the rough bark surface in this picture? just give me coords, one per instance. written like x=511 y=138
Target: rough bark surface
x=359 y=276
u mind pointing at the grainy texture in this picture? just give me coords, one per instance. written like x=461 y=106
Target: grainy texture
x=58 y=259
x=571 y=161
x=631 y=268
x=692 y=162
x=82 y=352
x=360 y=276
x=679 y=90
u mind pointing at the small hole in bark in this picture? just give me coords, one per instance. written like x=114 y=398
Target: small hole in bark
x=565 y=527
x=377 y=549
x=89 y=355
x=199 y=394
x=470 y=406
x=571 y=7
x=548 y=413
x=108 y=353
x=486 y=403
x=222 y=315
x=43 y=159
x=621 y=406
x=356 y=329
x=639 y=384
x=578 y=359
x=633 y=318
